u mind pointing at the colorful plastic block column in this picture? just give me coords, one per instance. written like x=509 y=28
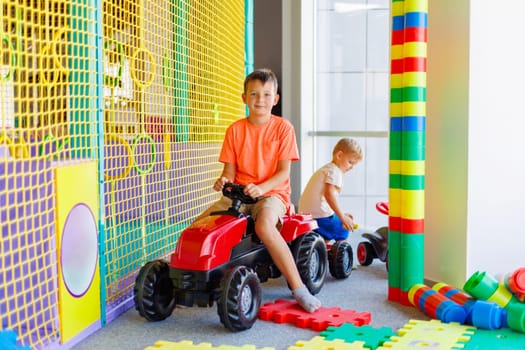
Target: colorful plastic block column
x=482 y=314
x=407 y=147
x=435 y=304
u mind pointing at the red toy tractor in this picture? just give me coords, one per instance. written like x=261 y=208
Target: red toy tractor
x=223 y=261
x=376 y=245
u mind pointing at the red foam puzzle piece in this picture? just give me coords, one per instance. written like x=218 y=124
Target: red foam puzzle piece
x=285 y=311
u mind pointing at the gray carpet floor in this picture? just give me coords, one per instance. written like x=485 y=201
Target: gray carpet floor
x=364 y=291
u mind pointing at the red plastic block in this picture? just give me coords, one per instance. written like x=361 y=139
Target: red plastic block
x=285 y=311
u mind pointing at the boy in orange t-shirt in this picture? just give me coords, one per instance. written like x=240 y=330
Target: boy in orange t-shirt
x=257 y=152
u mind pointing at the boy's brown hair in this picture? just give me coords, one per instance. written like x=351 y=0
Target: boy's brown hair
x=263 y=75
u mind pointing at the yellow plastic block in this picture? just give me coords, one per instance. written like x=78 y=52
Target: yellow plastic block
x=405 y=79
x=415 y=6
x=320 y=343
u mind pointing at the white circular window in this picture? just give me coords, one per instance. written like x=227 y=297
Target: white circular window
x=79 y=250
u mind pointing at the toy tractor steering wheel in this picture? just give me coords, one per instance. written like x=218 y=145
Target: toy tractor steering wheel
x=382 y=207
x=236 y=193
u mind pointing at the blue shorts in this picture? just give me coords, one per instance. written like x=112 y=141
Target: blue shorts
x=331 y=228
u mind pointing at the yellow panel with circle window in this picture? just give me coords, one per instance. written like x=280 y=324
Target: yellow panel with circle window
x=77 y=248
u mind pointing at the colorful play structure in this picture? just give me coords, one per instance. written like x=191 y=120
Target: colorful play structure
x=111 y=118
x=112 y=114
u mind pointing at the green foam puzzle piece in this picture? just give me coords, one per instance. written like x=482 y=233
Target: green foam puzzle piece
x=503 y=338
x=372 y=337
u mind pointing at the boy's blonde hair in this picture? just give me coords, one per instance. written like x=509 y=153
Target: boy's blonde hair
x=348 y=145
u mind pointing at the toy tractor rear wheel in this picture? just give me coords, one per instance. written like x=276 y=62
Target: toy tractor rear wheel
x=153 y=291
x=311 y=258
x=365 y=253
x=240 y=298
x=341 y=260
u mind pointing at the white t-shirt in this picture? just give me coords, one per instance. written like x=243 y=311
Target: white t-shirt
x=312 y=199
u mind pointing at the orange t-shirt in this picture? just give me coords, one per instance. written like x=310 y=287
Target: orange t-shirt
x=255 y=150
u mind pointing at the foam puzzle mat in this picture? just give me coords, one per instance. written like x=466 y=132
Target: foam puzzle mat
x=188 y=345
x=416 y=334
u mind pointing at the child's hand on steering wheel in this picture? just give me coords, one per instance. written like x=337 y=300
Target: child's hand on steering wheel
x=219 y=183
x=253 y=190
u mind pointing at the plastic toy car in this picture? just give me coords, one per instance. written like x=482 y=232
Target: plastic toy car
x=222 y=260
x=377 y=244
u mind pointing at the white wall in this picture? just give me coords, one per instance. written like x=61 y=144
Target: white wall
x=298 y=82
x=474 y=216
x=496 y=191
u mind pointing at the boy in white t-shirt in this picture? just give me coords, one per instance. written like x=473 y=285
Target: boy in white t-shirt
x=320 y=196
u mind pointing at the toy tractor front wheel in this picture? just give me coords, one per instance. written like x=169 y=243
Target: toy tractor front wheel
x=365 y=253
x=341 y=260
x=240 y=298
x=310 y=255
x=153 y=291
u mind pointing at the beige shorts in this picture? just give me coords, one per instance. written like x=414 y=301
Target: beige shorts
x=275 y=203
